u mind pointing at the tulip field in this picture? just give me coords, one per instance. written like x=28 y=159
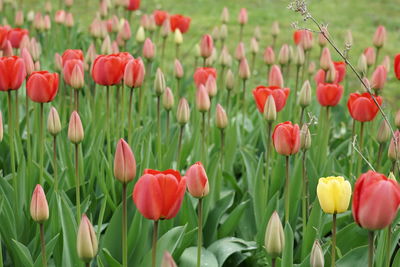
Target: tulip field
x=199 y=133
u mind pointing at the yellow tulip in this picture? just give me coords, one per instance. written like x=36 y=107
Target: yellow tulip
x=334 y=194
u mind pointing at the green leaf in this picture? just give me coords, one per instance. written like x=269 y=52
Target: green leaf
x=287 y=255
x=228 y=226
x=355 y=257
x=23 y=254
x=189 y=258
x=110 y=260
x=226 y=247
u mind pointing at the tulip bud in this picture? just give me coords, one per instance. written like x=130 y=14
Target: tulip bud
x=77 y=79
x=178 y=37
x=148 y=49
x=242 y=17
x=215 y=33
x=39 y=207
x=254 y=47
x=225 y=58
x=379 y=37
x=394 y=147
x=167 y=260
x=283 y=57
x=221 y=119
x=305 y=95
x=384 y=133
x=322 y=41
x=244 y=69
x=168 y=99
x=257 y=33
x=1 y=127
x=225 y=15
x=124 y=162
x=299 y=56
x=58 y=62
x=386 y=63
x=307 y=42
x=317 y=255
x=53 y=122
x=197 y=181
x=275 y=77
x=37 y=66
x=274 y=236
x=270 y=109
x=69 y=20
x=211 y=86
x=275 y=29
x=159 y=82
x=29 y=65
x=397 y=119
x=106 y=46
x=370 y=55
x=269 y=56
x=140 y=35
x=114 y=47
x=311 y=68
x=348 y=39
x=178 y=69
x=75 y=128
x=223 y=32
x=165 y=29
x=197 y=50
x=325 y=59
x=19 y=18
x=240 y=52
x=183 y=112
x=362 y=64
x=331 y=73
x=152 y=24
x=86 y=241
x=202 y=99
x=8 y=50
x=206 y=46
x=305 y=137
x=229 y=80
x=378 y=78
x=334 y=194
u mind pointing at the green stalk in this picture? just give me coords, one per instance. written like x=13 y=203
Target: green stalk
x=388 y=245
x=159 y=131
x=244 y=102
x=43 y=245
x=55 y=163
x=28 y=134
x=164 y=42
x=359 y=165
x=305 y=194
x=370 y=249
x=199 y=232
x=11 y=141
x=302 y=116
x=379 y=159
x=130 y=115
x=77 y=185
x=267 y=157
x=287 y=191
x=108 y=125
x=203 y=136
x=333 y=251
x=154 y=245
x=41 y=145
x=124 y=228
x=122 y=104
x=16 y=113
x=241 y=32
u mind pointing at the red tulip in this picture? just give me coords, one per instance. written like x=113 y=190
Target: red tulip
x=134 y=73
x=275 y=77
x=362 y=107
x=397 y=66
x=197 y=181
x=378 y=78
x=286 y=138
x=124 y=162
x=280 y=96
x=201 y=75
x=298 y=36
x=179 y=22
x=376 y=200
x=340 y=67
x=15 y=36
x=42 y=86
x=370 y=55
x=12 y=73
x=3 y=35
x=160 y=16
x=72 y=54
x=108 y=69
x=158 y=195
x=133 y=5
x=69 y=67
x=329 y=94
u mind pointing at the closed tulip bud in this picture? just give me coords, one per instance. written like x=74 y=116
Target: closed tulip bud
x=397 y=119
x=394 y=147
x=379 y=37
x=114 y=47
x=165 y=28
x=39 y=207
x=275 y=29
x=37 y=66
x=178 y=37
x=19 y=18
x=305 y=95
x=69 y=3
x=242 y=17
x=86 y=241
x=211 y=86
x=229 y=80
x=125 y=30
x=305 y=137
x=140 y=35
x=225 y=15
x=348 y=39
x=275 y=77
x=286 y=138
x=167 y=260
x=223 y=32
x=225 y=58
x=1 y=127
x=270 y=109
x=299 y=57
x=284 y=53
x=197 y=50
x=75 y=128
x=53 y=122
x=159 y=82
x=362 y=64
x=307 y=42
x=254 y=47
x=274 y=236
x=317 y=255
x=221 y=119
x=325 y=59
x=152 y=24
x=311 y=68
x=330 y=76
x=384 y=133
x=183 y=112
x=134 y=73
x=69 y=20
x=47 y=22
x=58 y=62
x=178 y=69
x=240 y=52
x=148 y=49
x=269 y=56
x=197 y=181
x=106 y=46
x=244 y=69
x=8 y=50
x=202 y=99
x=322 y=41
x=257 y=33
x=334 y=194
x=29 y=65
x=124 y=162
x=378 y=78
x=206 y=46
x=215 y=33
x=168 y=99
x=370 y=55
x=386 y=63
x=77 y=79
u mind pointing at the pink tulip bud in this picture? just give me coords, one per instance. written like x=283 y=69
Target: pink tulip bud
x=38 y=22
x=386 y=63
x=25 y=43
x=242 y=18
x=47 y=22
x=197 y=181
x=168 y=99
x=37 y=66
x=148 y=49
x=269 y=56
x=35 y=50
x=178 y=69
x=397 y=119
x=68 y=3
x=91 y=53
x=77 y=77
x=275 y=30
x=384 y=133
x=202 y=99
x=152 y=24
x=58 y=62
x=225 y=58
x=114 y=47
x=206 y=46
x=379 y=37
x=167 y=260
x=48 y=7
x=124 y=162
x=325 y=59
x=19 y=18
x=75 y=128
x=165 y=29
x=144 y=21
x=322 y=41
x=311 y=68
x=394 y=147
x=183 y=112
x=369 y=53
x=244 y=69
x=8 y=50
x=59 y=17
x=362 y=64
x=29 y=65
x=270 y=109
x=221 y=119
x=106 y=46
x=229 y=80
x=134 y=73
x=330 y=76
x=211 y=86
x=286 y=138
x=275 y=77
x=69 y=20
x=103 y=8
x=39 y=207
x=1 y=127
x=254 y=47
x=306 y=41
x=284 y=54
x=378 y=79
x=125 y=31
x=225 y=15
x=240 y=52
x=215 y=33
x=86 y=241
x=53 y=122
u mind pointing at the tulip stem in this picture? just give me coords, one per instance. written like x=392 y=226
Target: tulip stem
x=370 y=249
x=388 y=245
x=244 y=102
x=11 y=143
x=273 y=262
x=302 y=116
x=154 y=249
x=178 y=158
x=333 y=240
x=28 y=134
x=164 y=42
x=167 y=125
x=305 y=194
x=76 y=96
x=199 y=232
x=124 y=228
x=228 y=100
x=378 y=161
x=43 y=245
x=130 y=115
x=177 y=51
x=267 y=156
x=41 y=145
x=55 y=163
x=159 y=130
x=140 y=104
x=203 y=136
x=16 y=113
x=286 y=196
x=108 y=125
x=359 y=165
x=178 y=84
x=305 y=66
x=241 y=32
x=77 y=185
x=297 y=82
